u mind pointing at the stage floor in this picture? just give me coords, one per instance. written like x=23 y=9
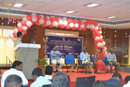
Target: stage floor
x=102 y=77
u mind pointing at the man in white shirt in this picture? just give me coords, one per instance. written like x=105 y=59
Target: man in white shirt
x=48 y=72
x=127 y=80
x=15 y=70
x=111 y=58
x=39 y=79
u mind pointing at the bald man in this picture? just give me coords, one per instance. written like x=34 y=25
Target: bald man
x=111 y=58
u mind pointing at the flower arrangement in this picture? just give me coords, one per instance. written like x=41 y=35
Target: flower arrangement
x=85 y=61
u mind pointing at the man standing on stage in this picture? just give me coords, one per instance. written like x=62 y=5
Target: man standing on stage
x=111 y=58
x=85 y=55
x=55 y=57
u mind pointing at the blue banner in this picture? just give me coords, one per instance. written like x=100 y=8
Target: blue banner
x=66 y=45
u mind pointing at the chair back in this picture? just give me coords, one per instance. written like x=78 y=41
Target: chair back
x=80 y=61
x=93 y=58
x=105 y=61
x=113 y=85
x=47 y=85
x=85 y=81
x=69 y=59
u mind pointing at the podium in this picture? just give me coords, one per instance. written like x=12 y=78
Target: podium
x=27 y=54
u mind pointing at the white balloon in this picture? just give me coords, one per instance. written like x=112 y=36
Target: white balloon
x=96 y=28
x=97 y=38
x=91 y=26
x=71 y=25
x=88 y=26
x=105 y=48
x=60 y=22
x=82 y=26
x=101 y=36
x=55 y=23
x=33 y=14
x=15 y=30
x=41 y=21
x=42 y=16
x=76 y=25
x=34 y=19
x=101 y=32
x=11 y=36
x=25 y=18
x=29 y=23
x=48 y=22
x=19 y=25
x=64 y=18
x=65 y=23
x=48 y=17
x=99 y=44
x=103 y=43
x=25 y=28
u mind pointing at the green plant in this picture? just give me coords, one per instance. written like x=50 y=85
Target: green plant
x=43 y=62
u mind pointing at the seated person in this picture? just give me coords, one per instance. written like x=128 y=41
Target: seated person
x=48 y=72
x=116 y=78
x=13 y=81
x=55 y=57
x=39 y=79
x=99 y=83
x=127 y=80
x=60 y=79
x=15 y=70
x=85 y=55
x=111 y=58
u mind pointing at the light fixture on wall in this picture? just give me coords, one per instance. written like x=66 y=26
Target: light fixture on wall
x=70 y=12
x=18 y=5
x=92 y=5
x=111 y=17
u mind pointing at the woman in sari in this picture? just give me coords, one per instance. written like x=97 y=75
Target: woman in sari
x=100 y=65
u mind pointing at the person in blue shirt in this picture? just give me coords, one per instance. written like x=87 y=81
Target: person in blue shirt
x=85 y=55
x=55 y=58
x=116 y=78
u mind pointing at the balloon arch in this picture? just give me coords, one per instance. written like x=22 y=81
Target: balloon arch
x=52 y=21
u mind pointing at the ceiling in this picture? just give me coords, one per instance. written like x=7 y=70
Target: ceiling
x=118 y=8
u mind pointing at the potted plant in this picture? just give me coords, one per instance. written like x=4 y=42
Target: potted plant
x=43 y=62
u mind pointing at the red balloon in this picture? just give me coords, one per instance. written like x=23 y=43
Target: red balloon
x=95 y=42
x=15 y=35
x=91 y=29
x=88 y=21
x=74 y=21
x=73 y=28
x=94 y=36
x=95 y=32
x=24 y=32
x=57 y=19
x=28 y=27
x=96 y=24
x=85 y=23
x=20 y=29
x=99 y=29
x=102 y=47
x=23 y=23
x=92 y=21
x=61 y=26
x=44 y=24
x=45 y=18
x=103 y=52
x=67 y=26
x=79 y=28
x=69 y=21
x=98 y=34
x=79 y=22
x=29 y=17
x=38 y=17
x=97 y=47
x=84 y=29
x=100 y=40
x=51 y=25
x=37 y=22
x=52 y=19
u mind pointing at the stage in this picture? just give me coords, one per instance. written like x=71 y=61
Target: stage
x=102 y=77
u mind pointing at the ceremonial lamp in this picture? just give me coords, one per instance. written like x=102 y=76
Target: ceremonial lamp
x=45 y=47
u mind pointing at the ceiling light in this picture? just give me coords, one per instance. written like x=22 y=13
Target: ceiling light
x=18 y=5
x=70 y=12
x=111 y=17
x=92 y=5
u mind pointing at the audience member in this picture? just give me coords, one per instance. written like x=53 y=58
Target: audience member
x=48 y=72
x=99 y=83
x=116 y=78
x=13 y=81
x=38 y=78
x=0 y=72
x=16 y=70
x=127 y=80
x=60 y=79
